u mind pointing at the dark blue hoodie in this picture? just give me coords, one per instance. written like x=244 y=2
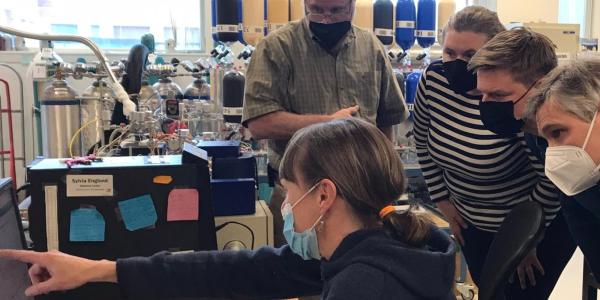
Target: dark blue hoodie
x=368 y=264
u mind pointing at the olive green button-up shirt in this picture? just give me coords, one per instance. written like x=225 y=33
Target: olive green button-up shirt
x=290 y=72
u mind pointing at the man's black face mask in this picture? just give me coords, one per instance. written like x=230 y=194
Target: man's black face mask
x=328 y=35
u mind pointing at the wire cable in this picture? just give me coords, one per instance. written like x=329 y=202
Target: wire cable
x=77 y=133
x=113 y=140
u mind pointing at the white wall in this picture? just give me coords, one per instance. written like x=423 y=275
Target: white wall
x=527 y=10
x=490 y=4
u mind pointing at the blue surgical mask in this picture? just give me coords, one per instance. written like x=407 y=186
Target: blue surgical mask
x=302 y=243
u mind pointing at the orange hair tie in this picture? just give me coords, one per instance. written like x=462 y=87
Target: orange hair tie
x=386 y=211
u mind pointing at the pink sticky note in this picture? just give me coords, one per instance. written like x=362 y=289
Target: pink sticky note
x=183 y=205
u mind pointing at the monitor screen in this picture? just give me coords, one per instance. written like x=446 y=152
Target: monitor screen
x=13 y=275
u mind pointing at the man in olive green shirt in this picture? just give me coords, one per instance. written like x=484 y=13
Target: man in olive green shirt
x=315 y=70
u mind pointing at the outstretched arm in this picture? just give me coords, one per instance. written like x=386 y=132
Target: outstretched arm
x=55 y=271
x=266 y=273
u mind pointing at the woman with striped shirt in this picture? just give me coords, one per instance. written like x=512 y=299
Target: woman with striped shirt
x=475 y=176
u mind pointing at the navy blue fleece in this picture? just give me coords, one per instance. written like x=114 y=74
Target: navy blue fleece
x=368 y=264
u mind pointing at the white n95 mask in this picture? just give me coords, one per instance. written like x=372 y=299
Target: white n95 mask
x=571 y=168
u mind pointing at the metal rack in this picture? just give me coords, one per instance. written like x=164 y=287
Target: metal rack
x=10 y=151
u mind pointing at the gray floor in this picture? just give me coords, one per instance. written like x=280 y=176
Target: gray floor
x=569 y=284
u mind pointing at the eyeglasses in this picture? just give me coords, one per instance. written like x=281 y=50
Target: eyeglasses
x=334 y=15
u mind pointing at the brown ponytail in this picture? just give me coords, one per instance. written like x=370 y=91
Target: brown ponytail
x=364 y=167
x=409 y=227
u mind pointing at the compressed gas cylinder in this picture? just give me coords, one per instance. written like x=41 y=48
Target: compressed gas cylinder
x=213 y=19
x=406 y=19
x=227 y=20
x=253 y=21
x=296 y=10
x=446 y=8
x=233 y=96
x=363 y=14
x=383 y=21
x=167 y=89
x=426 y=23
x=61 y=111
x=412 y=83
x=198 y=89
x=400 y=79
x=278 y=14
x=241 y=22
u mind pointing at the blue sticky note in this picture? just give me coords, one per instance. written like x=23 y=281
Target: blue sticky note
x=87 y=225
x=138 y=213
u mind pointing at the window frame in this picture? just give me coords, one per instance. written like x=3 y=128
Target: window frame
x=204 y=32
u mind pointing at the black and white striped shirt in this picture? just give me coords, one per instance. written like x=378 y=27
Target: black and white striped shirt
x=483 y=174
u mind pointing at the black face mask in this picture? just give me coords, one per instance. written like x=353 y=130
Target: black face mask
x=460 y=79
x=328 y=35
x=499 y=116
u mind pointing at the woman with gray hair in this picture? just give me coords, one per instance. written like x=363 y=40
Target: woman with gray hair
x=566 y=110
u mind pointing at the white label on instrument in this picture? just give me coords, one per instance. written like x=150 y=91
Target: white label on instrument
x=51 y=202
x=563 y=56
x=233 y=111
x=275 y=26
x=90 y=185
x=39 y=72
x=227 y=28
x=383 y=32
x=411 y=107
x=253 y=29
x=425 y=33
x=405 y=24
x=46 y=53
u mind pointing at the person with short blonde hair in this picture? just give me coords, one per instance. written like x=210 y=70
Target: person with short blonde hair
x=566 y=111
x=512 y=50
x=508 y=68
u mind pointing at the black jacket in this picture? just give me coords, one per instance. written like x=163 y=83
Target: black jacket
x=368 y=264
x=582 y=213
